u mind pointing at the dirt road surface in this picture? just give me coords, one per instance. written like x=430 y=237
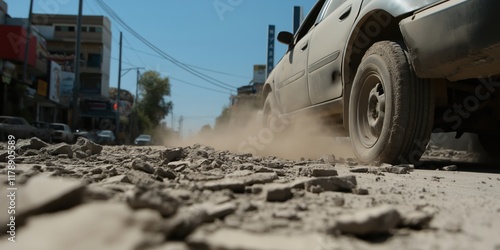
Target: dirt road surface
x=85 y=196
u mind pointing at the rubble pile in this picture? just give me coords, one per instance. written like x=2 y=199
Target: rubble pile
x=85 y=196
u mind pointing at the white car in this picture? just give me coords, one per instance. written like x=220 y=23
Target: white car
x=61 y=133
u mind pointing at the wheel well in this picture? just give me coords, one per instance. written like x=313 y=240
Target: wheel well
x=376 y=26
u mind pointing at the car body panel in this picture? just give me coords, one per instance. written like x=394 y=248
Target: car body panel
x=464 y=42
x=327 y=43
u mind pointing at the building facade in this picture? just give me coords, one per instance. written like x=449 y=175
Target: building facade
x=60 y=32
x=95 y=60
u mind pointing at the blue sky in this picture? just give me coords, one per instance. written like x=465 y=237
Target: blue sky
x=230 y=39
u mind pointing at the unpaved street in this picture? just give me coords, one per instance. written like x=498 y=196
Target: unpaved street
x=85 y=196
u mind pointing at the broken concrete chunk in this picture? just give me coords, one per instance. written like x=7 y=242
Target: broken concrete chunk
x=171 y=154
x=416 y=219
x=185 y=222
x=369 y=221
x=221 y=211
x=139 y=164
x=322 y=184
x=154 y=199
x=85 y=145
x=177 y=164
x=119 y=229
x=277 y=192
x=32 y=143
x=142 y=179
x=43 y=194
x=165 y=173
x=450 y=168
x=59 y=149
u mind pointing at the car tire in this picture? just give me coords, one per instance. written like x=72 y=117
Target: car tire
x=391 y=110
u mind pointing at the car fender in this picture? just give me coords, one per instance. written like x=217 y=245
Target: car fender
x=393 y=8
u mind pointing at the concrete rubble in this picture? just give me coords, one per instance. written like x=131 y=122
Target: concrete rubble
x=159 y=198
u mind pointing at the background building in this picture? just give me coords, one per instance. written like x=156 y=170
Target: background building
x=60 y=33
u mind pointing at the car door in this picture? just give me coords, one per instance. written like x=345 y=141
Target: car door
x=326 y=47
x=292 y=89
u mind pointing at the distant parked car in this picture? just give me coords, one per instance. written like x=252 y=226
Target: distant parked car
x=43 y=131
x=106 y=137
x=143 y=140
x=61 y=133
x=16 y=126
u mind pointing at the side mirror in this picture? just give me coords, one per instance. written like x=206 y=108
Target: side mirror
x=285 y=37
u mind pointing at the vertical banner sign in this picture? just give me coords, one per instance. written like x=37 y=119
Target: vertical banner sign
x=270 y=49
x=298 y=16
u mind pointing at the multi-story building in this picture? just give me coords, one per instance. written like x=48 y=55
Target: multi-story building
x=60 y=33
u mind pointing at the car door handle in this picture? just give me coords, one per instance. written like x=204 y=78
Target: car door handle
x=345 y=13
x=305 y=45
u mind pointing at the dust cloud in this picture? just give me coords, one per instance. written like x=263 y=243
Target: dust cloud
x=300 y=137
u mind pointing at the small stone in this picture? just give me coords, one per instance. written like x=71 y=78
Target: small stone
x=116 y=179
x=286 y=214
x=32 y=143
x=139 y=164
x=256 y=189
x=59 y=149
x=185 y=221
x=322 y=184
x=154 y=199
x=221 y=211
x=165 y=173
x=450 y=168
x=142 y=179
x=177 y=164
x=171 y=154
x=360 y=191
x=416 y=219
x=359 y=170
x=30 y=152
x=80 y=154
x=277 y=192
x=399 y=169
x=85 y=145
x=369 y=221
x=237 y=186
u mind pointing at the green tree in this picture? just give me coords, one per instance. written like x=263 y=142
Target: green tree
x=152 y=104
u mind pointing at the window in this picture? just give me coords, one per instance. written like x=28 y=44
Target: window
x=71 y=28
x=92 y=29
x=310 y=20
x=328 y=8
x=94 y=60
x=98 y=29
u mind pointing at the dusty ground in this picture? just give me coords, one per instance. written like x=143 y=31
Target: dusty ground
x=84 y=196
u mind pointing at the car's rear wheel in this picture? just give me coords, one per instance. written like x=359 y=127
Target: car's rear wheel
x=391 y=110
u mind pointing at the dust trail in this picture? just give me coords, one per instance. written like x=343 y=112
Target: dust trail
x=304 y=137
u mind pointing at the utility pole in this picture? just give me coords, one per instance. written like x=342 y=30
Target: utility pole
x=27 y=47
x=181 y=120
x=76 y=84
x=118 y=91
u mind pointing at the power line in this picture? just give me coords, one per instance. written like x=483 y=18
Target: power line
x=198 y=74
x=198 y=86
x=190 y=65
